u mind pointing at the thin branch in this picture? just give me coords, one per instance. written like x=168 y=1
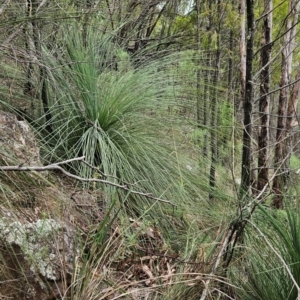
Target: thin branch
x=56 y=166
x=276 y=90
x=234 y=232
x=270 y=11
x=279 y=36
x=268 y=64
x=109 y=176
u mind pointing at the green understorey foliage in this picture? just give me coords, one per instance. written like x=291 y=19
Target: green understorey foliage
x=270 y=267
x=143 y=100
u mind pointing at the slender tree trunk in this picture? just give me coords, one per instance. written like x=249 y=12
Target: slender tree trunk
x=280 y=180
x=207 y=87
x=214 y=115
x=242 y=46
x=198 y=114
x=110 y=12
x=29 y=86
x=281 y=166
x=86 y=18
x=206 y=75
x=291 y=120
x=230 y=96
x=247 y=135
x=243 y=72
x=264 y=102
x=42 y=93
x=230 y=69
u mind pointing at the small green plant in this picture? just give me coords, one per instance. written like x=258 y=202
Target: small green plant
x=271 y=264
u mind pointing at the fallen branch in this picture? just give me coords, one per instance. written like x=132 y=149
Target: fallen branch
x=108 y=176
x=56 y=166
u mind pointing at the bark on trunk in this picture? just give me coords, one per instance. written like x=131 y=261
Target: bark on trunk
x=242 y=46
x=291 y=120
x=264 y=102
x=214 y=115
x=247 y=135
x=281 y=166
x=29 y=86
x=198 y=115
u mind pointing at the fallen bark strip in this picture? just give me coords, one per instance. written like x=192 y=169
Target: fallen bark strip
x=56 y=166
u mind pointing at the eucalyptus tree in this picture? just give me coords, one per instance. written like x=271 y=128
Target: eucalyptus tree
x=281 y=155
x=248 y=99
x=264 y=101
x=138 y=24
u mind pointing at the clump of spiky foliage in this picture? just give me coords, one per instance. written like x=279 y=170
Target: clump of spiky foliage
x=119 y=117
x=123 y=115
x=270 y=269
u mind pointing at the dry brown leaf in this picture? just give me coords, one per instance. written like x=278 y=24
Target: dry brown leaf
x=150 y=232
x=149 y=274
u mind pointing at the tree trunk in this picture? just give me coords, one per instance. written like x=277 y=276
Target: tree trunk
x=292 y=119
x=229 y=99
x=247 y=135
x=242 y=46
x=264 y=102
x=198 y=113
x=214 y=114
x=29 y=86
x=281 y=166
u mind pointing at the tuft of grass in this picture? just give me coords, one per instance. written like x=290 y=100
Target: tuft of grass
x=270 y=268
x=121 y=121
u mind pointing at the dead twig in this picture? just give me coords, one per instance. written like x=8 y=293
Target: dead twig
x=56 y=166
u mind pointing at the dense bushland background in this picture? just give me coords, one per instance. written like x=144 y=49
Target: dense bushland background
x=176 y=125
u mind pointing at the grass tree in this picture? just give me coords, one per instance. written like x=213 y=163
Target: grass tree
x=119 y=118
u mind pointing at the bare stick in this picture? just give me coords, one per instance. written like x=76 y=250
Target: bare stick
x=107 y=176
x=57 y=166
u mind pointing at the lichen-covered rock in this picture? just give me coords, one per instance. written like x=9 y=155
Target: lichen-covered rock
x=42 y=252
x=17 y=141
x=41 y=242
x=40 y=215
